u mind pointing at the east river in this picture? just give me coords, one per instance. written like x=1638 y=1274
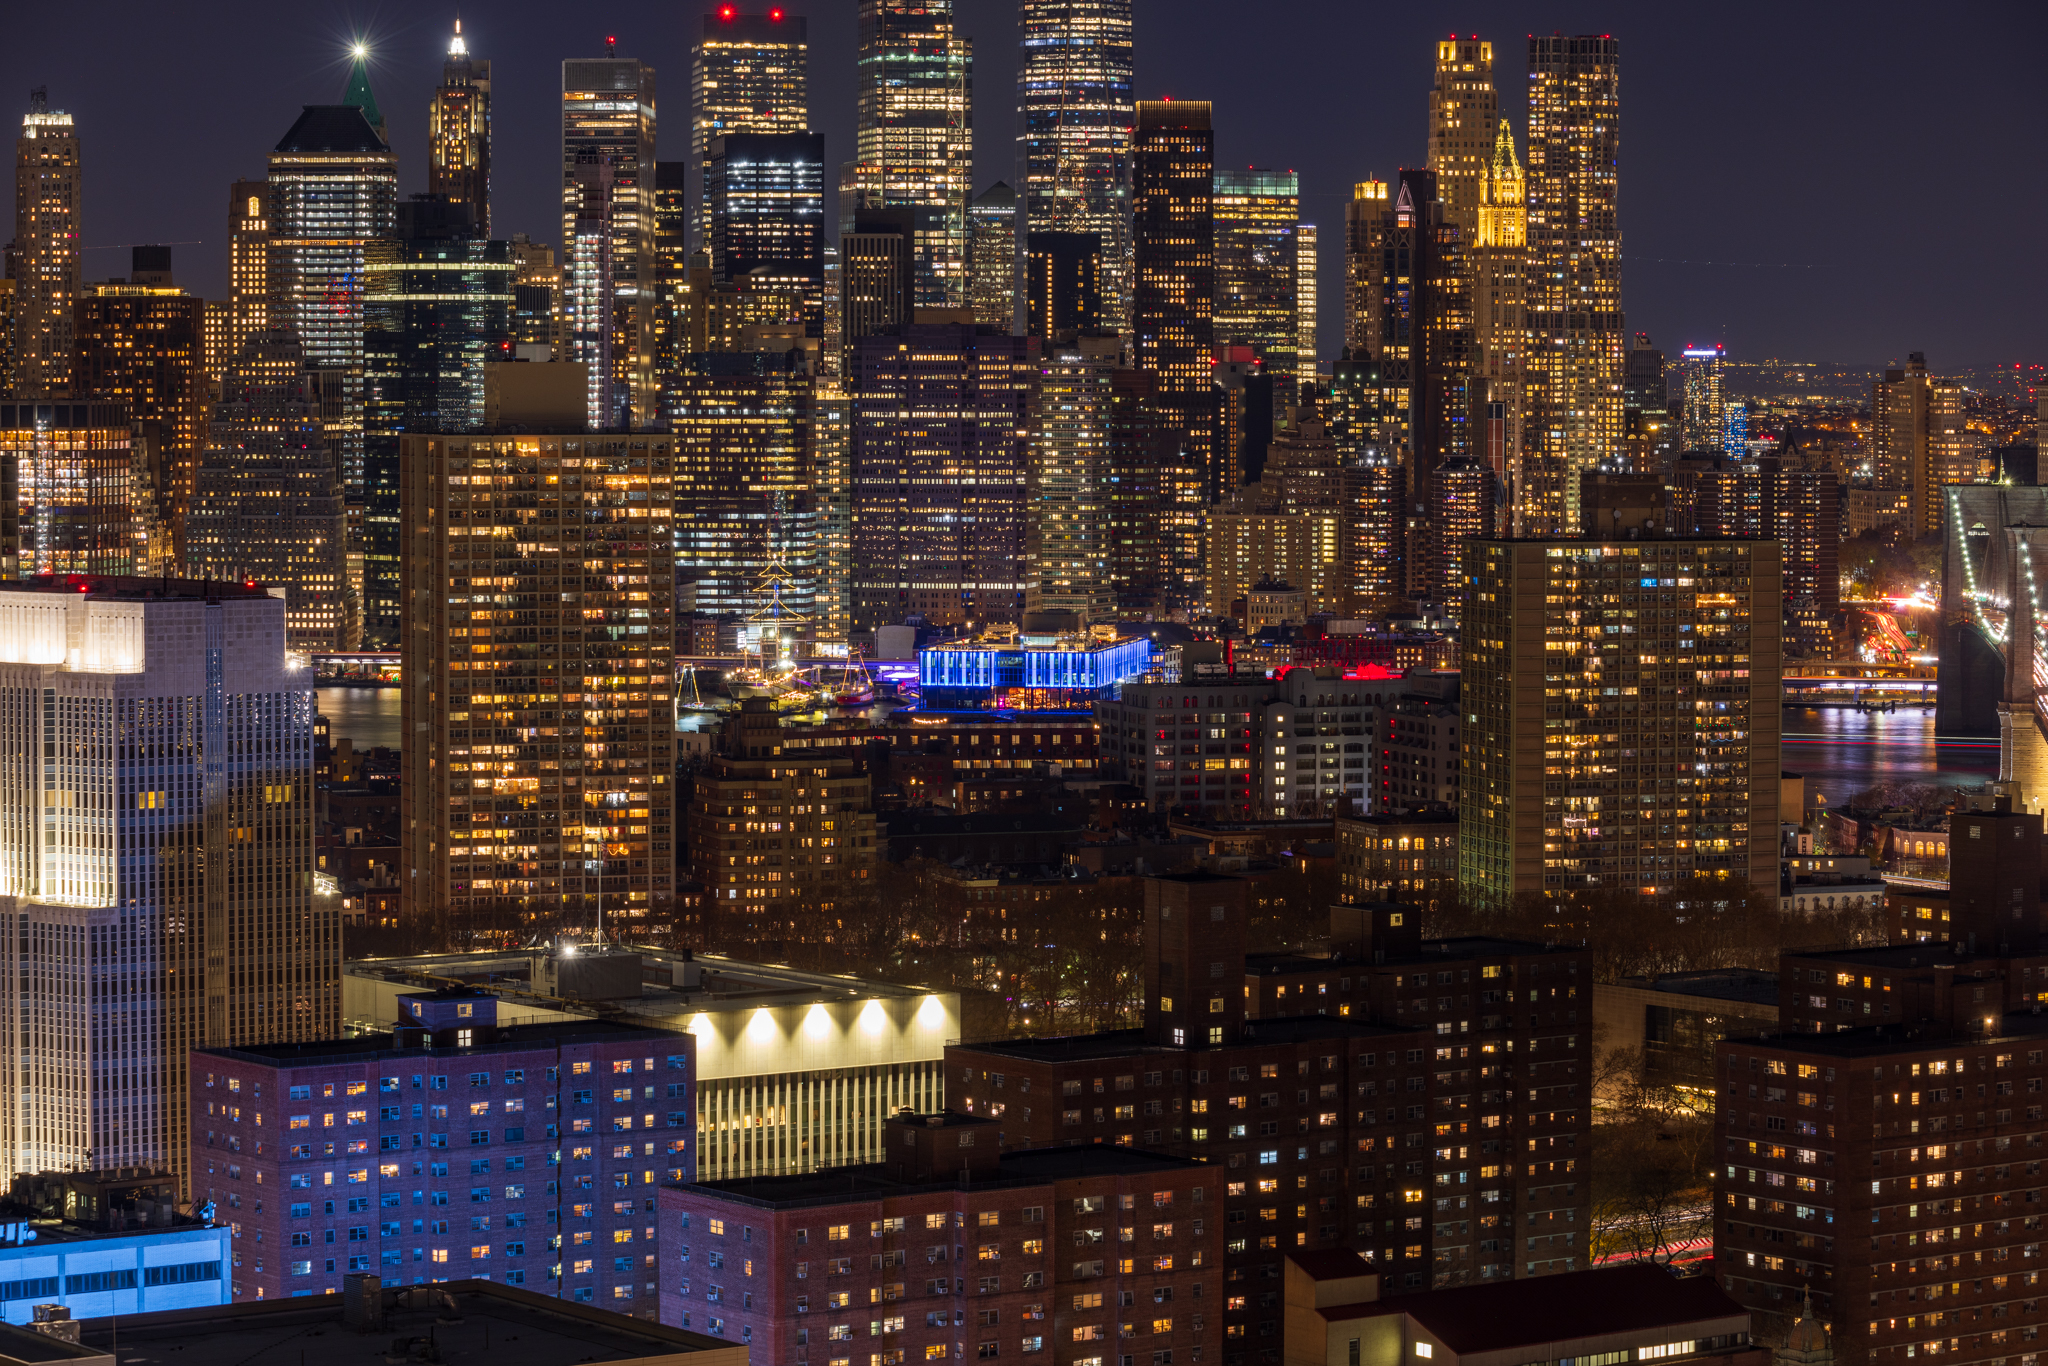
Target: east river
x=368 y=716
x=1841 y=752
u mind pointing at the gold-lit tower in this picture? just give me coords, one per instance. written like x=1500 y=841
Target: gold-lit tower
x=48 y=200
x=1463 y=107
x=459 y=133
x=1500 y=253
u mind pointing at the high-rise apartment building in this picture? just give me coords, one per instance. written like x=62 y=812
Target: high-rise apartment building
x=1576 y=335
x=49 y=203
x=333 y=191
x=437 y=307
x=1464 y=110
x=1062 y=284
x=248 y=266
x=158 y=885
x=767 y=225
x=1075 y=108
x=568 y=823
x=940 y=463
x=459 y=134
x=1067 y=494
x=1156 y=504
x=1288 y=526
x=1173 y=291
x=1706 y=401
x=609 y=257
x=914 y=138
x=143 y=346
x=266 y=501
x=1567 y=786
x=992 y=256
x=1918 y=439
x=1257 y=267
x=749 y=73
x=77 y=491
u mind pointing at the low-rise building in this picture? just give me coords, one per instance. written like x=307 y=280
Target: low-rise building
x=1407 y=856
x=795 y=1070
x=953 y=1248
x=452 y=1147
x=113 y=1242
x=1676 y=1021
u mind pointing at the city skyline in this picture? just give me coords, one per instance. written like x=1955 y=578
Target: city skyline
x=1800 y=286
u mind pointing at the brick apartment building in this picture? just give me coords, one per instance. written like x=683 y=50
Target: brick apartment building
x=1423 y=1103
x=1885 y=1145
x=953 y=1248
x=452 y=1148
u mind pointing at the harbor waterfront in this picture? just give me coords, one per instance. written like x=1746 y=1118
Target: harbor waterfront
x=1842 y=752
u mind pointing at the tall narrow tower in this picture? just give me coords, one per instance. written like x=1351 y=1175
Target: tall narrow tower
x=609 y=258
x=48 y=198
x=1576 y=337
x=749 y=73
x=1500 y=253
x=248 y=265
x=1074 y=118
x=1463 y=108
x=459 y=133
x=914 y=137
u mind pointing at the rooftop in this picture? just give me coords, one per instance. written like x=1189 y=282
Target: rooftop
x=1402 y=818
x=1549 y=1310
x=1463 y=948
x=1884 y=1040
x=1030 y=1167
x=128 y=588
x=465 y=1321
x=1117 y=1043
x=367 y=1047
x=1736 y=984
x=332 y=130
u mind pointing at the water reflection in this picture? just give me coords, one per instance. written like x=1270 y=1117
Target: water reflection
x=1842 y=752
x=368 y=716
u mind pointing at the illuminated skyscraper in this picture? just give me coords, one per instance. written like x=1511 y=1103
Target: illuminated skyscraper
x=1075 y=113
x=143 y=346
x=1917 y=439
x=1173 y=297
x=1364 y=213
x=248 y=264
x=78 y=489
x=992 y=256
x=1573 y=291
x=1257 y=266
x=1067 y=497
x=156 y=856
x=877 y=276
x=266 y=502
x=1306 y=311
x=1499 y=257
x=573 y=830
x=1463 y=112
x=767 y=193
x=1063 y=284
x=1706 y=404
x=940 y=461
x=914 y=138
x=749 y=73
x=48 y=205
x=459 y=134
x=333 y=191
x=609 y=258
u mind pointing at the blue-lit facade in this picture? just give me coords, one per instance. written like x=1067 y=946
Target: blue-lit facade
x=1024 y=678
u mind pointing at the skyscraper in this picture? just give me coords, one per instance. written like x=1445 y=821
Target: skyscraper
x=878 y=276
x=1706 y=402
x=992 y=256
x=767 y=198
x=1651 y=797
x=80 y=494
x=1364 y=213
x=749 y=73
x=1464 y=109
x=333 y=191
x=1257 y=266
x=1062 y=284
x=1499 y=261
x=574 y=830
x=1644 y=388
x=914 y=137
x=459 y=134
x=1173 y=298
x=1916 y=439
x=169 y=883
x=1074 y=115
x=437 y=306
x=49 y=200
x=1576 y=332
x=248 y=264
x=940 y=462
x=266 y=501
x=1067 y=496
x=609 y=255
x=1306 y=311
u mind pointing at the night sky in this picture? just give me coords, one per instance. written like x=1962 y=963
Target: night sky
x=1834 y=182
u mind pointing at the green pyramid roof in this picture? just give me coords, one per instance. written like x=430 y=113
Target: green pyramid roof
x=358 y=94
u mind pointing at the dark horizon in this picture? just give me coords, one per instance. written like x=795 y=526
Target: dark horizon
x=1784 y=174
